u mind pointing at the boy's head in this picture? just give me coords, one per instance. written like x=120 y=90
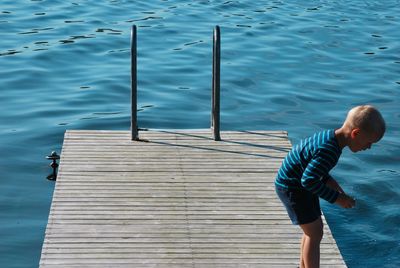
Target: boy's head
x=365 y=125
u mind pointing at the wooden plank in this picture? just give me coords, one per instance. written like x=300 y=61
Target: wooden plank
x=179 y=200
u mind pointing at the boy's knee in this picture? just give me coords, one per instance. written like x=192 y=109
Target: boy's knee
x=319 y=235
x=320 y=231
x=315 y=238
x=315 y=235
x=314 y=231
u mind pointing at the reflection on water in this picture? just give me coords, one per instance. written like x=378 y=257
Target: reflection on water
x=295 y=66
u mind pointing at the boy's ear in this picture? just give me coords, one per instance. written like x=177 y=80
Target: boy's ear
x=354 y=133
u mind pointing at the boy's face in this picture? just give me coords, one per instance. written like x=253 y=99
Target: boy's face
x=360 y=140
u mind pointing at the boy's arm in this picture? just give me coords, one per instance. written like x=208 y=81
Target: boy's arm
x=319 y=166
x=343 y=199
x=331 y=182
x=327 y=187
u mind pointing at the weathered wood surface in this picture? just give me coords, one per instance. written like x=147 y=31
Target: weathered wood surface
x=178 y=200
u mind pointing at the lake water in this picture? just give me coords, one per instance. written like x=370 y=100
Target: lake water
x=286 y=65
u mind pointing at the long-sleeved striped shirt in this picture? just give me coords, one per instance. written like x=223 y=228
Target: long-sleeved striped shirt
x=308 y=164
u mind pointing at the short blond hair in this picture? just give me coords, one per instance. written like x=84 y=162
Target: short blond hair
x=367 y=118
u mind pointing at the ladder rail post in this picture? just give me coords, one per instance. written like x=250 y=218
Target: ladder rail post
x=215 y=117
x=134 y=124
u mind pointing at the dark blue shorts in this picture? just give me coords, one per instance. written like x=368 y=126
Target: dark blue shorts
x=301 y=205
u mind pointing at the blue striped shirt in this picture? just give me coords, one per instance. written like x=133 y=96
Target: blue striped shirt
x=308 y=164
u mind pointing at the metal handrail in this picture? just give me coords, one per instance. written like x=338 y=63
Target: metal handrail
x=134 y=125
x=215 y=109
x=215 y=117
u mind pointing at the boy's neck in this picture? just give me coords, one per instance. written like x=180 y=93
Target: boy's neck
x=342 y=136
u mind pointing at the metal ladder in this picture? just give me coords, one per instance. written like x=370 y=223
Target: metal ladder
x=215 y=95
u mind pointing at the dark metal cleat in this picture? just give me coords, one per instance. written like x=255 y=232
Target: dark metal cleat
x=54 y=157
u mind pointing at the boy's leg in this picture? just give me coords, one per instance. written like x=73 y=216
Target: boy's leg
x=313 y=233
x=302 y=265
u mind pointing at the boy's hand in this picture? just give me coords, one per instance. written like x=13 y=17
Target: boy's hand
x=345 y=201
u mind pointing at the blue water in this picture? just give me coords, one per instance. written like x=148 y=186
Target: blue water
x=287 y=65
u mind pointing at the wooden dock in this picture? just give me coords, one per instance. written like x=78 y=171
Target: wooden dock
x=180 y=199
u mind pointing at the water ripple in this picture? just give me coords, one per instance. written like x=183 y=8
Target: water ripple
x=296 y=66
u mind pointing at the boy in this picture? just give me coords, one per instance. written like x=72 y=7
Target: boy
x=304 y=175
